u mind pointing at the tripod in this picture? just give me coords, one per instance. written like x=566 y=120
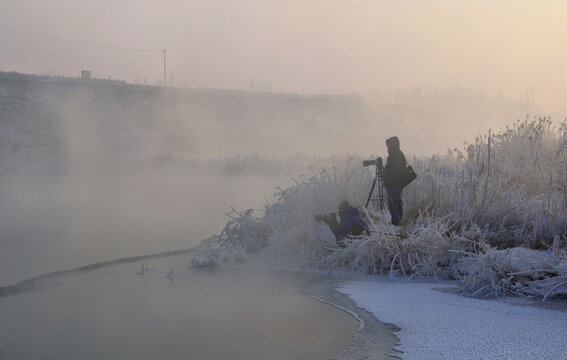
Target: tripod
x=378 y=178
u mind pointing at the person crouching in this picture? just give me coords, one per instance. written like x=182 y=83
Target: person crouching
x=351 y=224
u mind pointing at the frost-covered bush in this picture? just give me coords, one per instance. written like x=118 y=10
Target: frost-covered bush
x=243 y=233
x=505 y=191
x=512 y=184
x=516 y=271
x=428 y=251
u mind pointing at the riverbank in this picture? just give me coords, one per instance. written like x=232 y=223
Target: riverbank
x=437 y=323
x=150 y=306
x=372 y=340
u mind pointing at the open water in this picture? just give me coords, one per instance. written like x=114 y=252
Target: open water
x=52 y=222
x=117 y=312
x=55 y=221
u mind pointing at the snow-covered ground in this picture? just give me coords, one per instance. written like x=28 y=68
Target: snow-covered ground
x=439 y=325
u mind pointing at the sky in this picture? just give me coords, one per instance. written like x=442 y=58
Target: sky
x=305 y=46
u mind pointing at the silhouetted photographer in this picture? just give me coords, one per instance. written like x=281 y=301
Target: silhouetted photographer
x=350 y=224
x=397 y=175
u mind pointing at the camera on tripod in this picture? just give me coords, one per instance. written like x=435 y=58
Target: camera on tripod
x=378 y=179
x=378 y=162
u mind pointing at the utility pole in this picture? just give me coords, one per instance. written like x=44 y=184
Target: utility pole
x=164 y=72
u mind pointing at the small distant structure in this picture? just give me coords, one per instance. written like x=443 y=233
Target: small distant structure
x=85 y=74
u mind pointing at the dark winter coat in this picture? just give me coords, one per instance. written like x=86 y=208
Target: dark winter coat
x=351 y=224
x=395 y=164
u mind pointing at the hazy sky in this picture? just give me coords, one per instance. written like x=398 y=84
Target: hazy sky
x=301 y=45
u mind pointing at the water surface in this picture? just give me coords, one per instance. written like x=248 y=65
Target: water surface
x=117 y=313
x=51 y=221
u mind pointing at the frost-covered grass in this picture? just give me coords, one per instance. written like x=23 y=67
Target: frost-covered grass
x=465 y=217
x=511 y=184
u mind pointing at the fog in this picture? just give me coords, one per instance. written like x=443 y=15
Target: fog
x=97 y=171
x=258 y=92
x=86 y=178
x=94 y=172
x=298 y=46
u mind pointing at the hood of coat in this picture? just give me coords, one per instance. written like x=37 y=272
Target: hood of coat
x=393 y=144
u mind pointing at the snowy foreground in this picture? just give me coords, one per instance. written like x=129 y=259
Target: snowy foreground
x=440 y=325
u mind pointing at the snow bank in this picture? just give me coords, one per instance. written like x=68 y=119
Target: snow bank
x=438 y=325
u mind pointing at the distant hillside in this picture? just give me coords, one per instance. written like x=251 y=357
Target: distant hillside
x=69 y=119
x=43 y=116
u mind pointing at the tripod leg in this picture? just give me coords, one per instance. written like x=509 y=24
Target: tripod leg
x=370 y=194
x=381 y=194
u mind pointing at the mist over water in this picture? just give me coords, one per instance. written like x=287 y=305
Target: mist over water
x=56 y=222
x=96 y=173
x=92 y=172
x=97 y=170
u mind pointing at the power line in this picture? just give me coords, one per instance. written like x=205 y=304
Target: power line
x=93 y=44
x=68 y=51
x=77 y=42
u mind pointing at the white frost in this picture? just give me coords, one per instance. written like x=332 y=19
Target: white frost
x=439 y=325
